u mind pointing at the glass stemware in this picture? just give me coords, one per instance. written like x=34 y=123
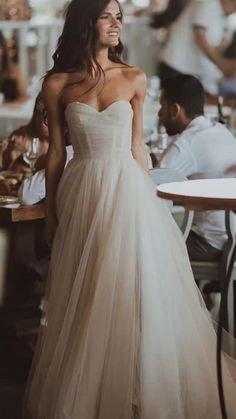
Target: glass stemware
x=32 y=152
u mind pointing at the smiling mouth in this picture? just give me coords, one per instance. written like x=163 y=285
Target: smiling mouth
x=113 y=33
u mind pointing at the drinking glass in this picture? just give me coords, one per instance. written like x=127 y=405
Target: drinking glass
x=32 y=152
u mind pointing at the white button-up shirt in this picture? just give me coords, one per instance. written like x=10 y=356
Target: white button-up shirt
x=204 y=150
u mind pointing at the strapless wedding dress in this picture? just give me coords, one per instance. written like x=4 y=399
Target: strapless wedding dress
x=127 y=332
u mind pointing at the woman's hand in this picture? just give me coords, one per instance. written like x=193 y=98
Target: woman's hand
x=50 y=229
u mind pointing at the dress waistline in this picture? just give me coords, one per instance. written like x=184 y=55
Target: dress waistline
x=113 y=154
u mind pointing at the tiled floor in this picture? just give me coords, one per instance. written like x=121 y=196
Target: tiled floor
x=11 y=398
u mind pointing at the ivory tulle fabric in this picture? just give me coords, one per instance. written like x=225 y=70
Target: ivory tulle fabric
x=127 y=332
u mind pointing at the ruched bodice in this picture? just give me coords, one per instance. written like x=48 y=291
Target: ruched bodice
x=100 y=134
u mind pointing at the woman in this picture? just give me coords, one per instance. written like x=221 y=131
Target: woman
x=127 y=334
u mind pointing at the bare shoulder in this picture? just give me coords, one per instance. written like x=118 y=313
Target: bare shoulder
x=53 y=86
x=134 y=74
x=137 y=78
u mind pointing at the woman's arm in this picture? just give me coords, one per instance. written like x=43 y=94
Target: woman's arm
x=51 y=90
x=138 y=148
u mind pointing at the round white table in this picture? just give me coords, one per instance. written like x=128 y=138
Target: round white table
x=202 y=194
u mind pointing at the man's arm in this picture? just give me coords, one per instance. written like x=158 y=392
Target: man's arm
x=226 y=65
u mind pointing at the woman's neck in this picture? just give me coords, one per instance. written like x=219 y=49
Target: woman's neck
x=102 y=58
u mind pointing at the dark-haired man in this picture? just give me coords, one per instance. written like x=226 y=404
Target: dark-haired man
x=200 y=149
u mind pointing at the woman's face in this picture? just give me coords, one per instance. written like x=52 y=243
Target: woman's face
x=109 y=25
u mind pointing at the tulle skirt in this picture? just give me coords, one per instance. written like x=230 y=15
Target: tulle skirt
x=127 y=333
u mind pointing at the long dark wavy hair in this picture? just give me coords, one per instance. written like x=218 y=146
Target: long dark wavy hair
x=78 y=44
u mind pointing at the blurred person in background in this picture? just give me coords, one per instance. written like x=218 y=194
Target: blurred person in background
x=12 y=83
x=12 y=155
x=32 y=189
x=197 y=42
x=227 y=87
x=31 y=253
x=200 y=149
x=168 y=16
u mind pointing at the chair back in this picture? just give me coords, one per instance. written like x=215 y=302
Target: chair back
x=160 y=176
x=183 y=217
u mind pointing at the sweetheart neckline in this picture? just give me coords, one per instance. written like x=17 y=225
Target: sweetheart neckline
x=93 y=108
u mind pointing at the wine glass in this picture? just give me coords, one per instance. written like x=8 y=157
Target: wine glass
x=32 y=152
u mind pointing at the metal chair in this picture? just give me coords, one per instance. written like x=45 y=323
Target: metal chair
x=209 y=272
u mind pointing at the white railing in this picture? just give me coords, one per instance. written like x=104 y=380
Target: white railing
x=140 y=42
x=47 y=30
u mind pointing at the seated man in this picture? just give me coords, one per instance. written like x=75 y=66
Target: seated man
x=201 y=149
